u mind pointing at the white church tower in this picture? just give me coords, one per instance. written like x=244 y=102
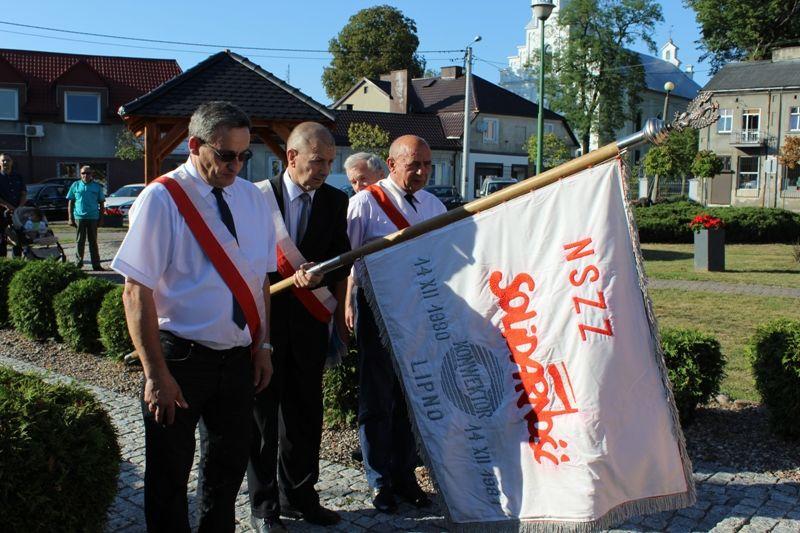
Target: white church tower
x=517 y=77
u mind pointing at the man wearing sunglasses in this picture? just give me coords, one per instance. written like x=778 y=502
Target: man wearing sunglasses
x=311 y=227
x=85 y=209
x=202 y=339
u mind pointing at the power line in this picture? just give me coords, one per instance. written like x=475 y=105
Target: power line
x=206 y=45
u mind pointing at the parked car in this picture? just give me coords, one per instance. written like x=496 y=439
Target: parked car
x=66 y=181
x=447 y=194
x=492 y=185
x=120 y=201
x=50 y=198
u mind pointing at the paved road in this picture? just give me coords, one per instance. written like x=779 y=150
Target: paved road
x=728 y=500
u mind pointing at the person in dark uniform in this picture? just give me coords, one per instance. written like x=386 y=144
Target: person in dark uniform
x=284 y=456
x=12 y=195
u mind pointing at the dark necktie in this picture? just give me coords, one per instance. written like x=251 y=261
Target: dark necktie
x=227 y=219
x=305 y=212
x=410 y=198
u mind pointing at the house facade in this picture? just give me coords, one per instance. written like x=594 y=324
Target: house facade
x=522 y=80
x=500 y=121
x=759 y=104
x=59 y=111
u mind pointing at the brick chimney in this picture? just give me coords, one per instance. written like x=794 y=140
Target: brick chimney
x=451 y=72
x=399 y=81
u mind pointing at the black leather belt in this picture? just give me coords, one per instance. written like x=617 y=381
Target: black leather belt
x=196 y=348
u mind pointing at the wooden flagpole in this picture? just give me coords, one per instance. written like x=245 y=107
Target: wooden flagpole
x=700 y=113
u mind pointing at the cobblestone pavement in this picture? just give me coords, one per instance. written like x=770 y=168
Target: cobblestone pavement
x=728 y=500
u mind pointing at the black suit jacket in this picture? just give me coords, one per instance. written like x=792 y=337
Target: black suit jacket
x=325 y=238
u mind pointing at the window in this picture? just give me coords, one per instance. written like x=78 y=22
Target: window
x=82 y=107
x=791 y=178
x=274 y=167
x=726 y=163
x=9 y=104
x=491 y=126
x=549 y=128
x=794 y=119
x=751 y=119
x=748 y=173
x=725 y=123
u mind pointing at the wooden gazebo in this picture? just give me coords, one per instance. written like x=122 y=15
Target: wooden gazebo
x=162 y=115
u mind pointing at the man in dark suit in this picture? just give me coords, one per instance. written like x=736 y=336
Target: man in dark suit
x=284 y=457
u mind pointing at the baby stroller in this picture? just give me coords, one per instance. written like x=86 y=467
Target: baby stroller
x=34 y=238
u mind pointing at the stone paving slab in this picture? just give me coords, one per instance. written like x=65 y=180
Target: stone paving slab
x=728 y=500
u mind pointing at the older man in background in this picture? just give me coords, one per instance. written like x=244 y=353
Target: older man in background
x=387 y=441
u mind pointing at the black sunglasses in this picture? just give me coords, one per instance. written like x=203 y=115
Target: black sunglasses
x=227 y=156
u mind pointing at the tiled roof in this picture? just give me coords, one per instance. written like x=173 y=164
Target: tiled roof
x=427 y=126
x=657 y=72
x=756 y=75
x=228 y=76
x=446 y=95
x=125 y=78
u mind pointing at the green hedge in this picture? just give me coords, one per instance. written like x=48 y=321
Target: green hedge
x=76 y=309
x=774 y=352
x=112 y=326
x=31 y=293
x=8 y=267
x=60 y=457
x=669 y=222
x=695 y=366
x=340 y=392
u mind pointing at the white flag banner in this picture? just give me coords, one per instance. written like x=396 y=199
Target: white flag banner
x=526 y=346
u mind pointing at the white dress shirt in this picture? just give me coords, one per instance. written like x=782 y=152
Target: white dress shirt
x=160 y=252
x=292 y=205
x=367 y=221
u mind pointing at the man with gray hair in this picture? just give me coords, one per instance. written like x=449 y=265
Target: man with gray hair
x=195 y=261
x=387 y=442
x=363 y=169
x=311 y=226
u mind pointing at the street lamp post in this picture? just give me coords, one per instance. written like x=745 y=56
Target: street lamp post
x=541 y=10
x=466 y=181
x=668 y=88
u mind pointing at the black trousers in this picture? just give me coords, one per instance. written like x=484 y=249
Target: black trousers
x=5 y=222
x=87 y=228
x=218 y=386
x=384 y=429
x=287 y=417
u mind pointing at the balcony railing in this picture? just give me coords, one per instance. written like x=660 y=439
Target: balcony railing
x=748 y=138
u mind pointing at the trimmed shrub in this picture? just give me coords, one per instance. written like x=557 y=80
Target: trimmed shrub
x=31 y=292
x=112 y=326
x=695 y=366
x=340 y=392
x=8 y=267
x=76 y=309
x=669 y=222
x=774 y=352
x=60 y=456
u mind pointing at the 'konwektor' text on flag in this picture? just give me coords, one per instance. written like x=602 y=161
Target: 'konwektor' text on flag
x=528 y=359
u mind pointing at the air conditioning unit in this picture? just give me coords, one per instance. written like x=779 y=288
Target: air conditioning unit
x=34 y=130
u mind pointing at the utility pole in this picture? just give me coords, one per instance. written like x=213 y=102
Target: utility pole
x=467 y=186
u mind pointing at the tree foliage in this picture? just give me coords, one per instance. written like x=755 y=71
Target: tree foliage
x=374 y=41
x=555 y=150
x=597 y=82
x=365 y=137
x=129 y=146
x=790 y=151
x=734 y=30
x=674 y=158
x=706 y=164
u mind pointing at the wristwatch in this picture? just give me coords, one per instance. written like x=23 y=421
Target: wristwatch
x=267 y=346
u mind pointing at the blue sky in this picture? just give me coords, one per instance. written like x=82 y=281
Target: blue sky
x=301 y=24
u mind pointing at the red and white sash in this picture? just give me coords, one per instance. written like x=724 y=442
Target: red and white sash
x=221 y=249
x=319 y=302
x=388 y=207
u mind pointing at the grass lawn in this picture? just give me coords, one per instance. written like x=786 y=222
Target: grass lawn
x=760 y=264
x=732 y=319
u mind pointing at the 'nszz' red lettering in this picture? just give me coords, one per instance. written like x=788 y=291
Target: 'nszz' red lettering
x=600 y=303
